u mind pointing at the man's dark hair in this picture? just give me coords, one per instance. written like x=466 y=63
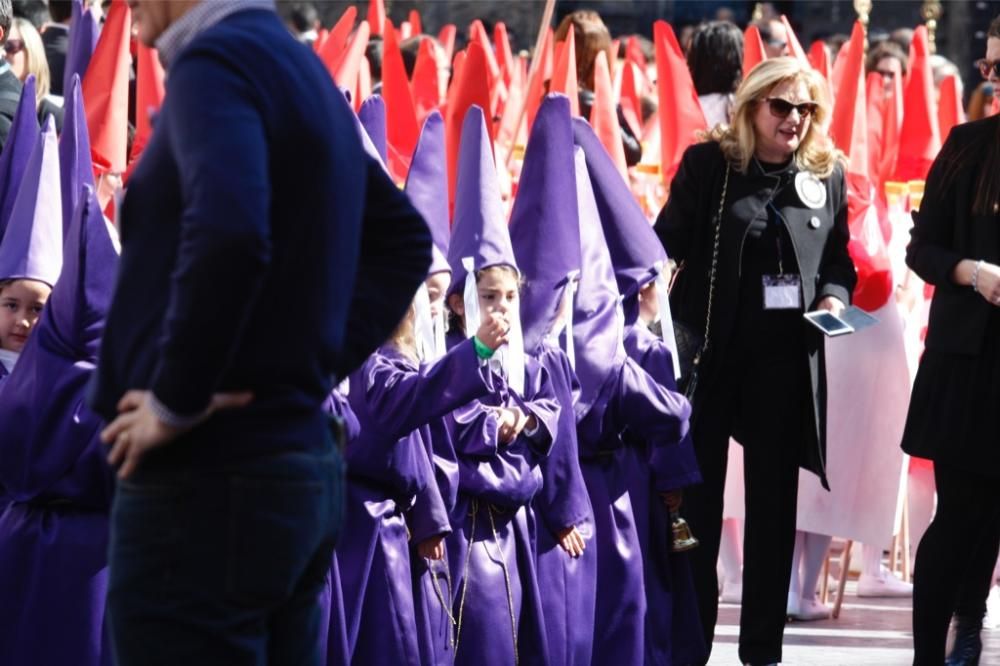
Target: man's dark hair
x=374 y=54
x=303 y=16
x=6 y=16
x=716 y=57
x=60 y=10
x=36 y=12
x=409 y=48
x=994 y=30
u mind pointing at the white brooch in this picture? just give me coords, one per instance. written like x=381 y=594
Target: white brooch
x=810 y=190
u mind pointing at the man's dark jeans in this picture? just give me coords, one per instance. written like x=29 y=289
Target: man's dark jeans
x=225 y=567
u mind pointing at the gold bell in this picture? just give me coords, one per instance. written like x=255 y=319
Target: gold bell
x=683 y=539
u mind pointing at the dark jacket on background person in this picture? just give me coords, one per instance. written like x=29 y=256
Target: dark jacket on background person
x=685 y=226
x=10 y=95
x=288 y=270
x=55 y=39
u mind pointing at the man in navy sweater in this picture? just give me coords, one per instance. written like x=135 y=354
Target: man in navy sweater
x=263 y=254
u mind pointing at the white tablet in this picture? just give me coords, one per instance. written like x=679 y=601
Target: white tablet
x=830 y=324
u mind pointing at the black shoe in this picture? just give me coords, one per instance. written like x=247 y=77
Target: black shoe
x=968 y=645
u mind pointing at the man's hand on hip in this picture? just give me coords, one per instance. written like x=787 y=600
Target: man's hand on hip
x=138 y=430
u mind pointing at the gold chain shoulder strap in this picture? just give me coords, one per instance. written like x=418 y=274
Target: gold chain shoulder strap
x=715 y=263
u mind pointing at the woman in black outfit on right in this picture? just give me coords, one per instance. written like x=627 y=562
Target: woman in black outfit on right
x=954 y=416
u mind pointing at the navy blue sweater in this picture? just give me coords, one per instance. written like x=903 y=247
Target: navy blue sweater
x=262 y=250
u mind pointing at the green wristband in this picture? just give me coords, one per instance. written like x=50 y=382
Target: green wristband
x=482 y=351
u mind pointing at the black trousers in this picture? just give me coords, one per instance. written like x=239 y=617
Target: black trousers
x=759 y=398
x=951 y=571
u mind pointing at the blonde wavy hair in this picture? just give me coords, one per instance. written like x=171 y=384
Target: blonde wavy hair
x=34 y=54
x=738 y=140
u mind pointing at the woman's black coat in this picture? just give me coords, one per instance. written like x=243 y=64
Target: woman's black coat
x=945 y=231
x=819 y=236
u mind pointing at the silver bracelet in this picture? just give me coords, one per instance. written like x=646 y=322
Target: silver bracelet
x=975 y=276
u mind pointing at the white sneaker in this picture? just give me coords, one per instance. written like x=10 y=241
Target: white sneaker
x=732 y=592
x=883 y=585
x=808 y=610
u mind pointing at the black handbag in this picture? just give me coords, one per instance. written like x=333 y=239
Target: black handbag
x=691 y=346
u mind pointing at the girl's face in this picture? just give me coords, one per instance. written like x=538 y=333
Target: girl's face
x=16 y=55
x=21 y=304
x=437 y=286
x=498 y=292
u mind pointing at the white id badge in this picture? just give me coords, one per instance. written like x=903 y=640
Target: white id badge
x=782 y=292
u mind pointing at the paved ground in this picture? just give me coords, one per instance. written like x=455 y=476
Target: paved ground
x=870 y=632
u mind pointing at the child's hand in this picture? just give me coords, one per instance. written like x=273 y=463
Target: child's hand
x=512 y=422
x=494 y=330
x=433 y=548
x=572 y=541
x=672 y=499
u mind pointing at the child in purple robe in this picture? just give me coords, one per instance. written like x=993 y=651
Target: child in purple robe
x=390 y=480
x=30 y=248
x=545 y=217
x=427 y=186
x=499 y=439
x=54 y=529
x=673 y=631
x=620 y=405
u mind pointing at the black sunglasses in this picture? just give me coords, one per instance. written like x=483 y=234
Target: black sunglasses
x=988 y=66
x=781 y=108
x=13 y=46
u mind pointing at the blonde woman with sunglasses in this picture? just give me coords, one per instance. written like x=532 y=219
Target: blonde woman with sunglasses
x=757 y=223
x=25 y=54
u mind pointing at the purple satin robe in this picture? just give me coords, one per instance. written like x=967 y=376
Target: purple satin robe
x=433 y=582
x=567 y=584
x=629 y=401
x=673 y=628
x=389 y=473
x=492 y=549
x=332 y=600
x=54 y=525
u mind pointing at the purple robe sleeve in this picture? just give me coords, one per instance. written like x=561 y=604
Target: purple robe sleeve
x=429 y=515
x=403 y=401
x=50 y=448
x=506 y=475
x=563 y=500
x=673 y=466
x=649 y=410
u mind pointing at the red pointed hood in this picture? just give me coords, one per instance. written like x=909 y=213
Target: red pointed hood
x=333 y=46
x=402 y=129
x=538 y=76
x=753 y=49
x=794 y=46
x=950 y=111
x=564 y=73
x=149 y=91
x=105 y=91
x=919 y=137
x=376 y=16
x=470 y=87
x=604 y=115
x=679 y=129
